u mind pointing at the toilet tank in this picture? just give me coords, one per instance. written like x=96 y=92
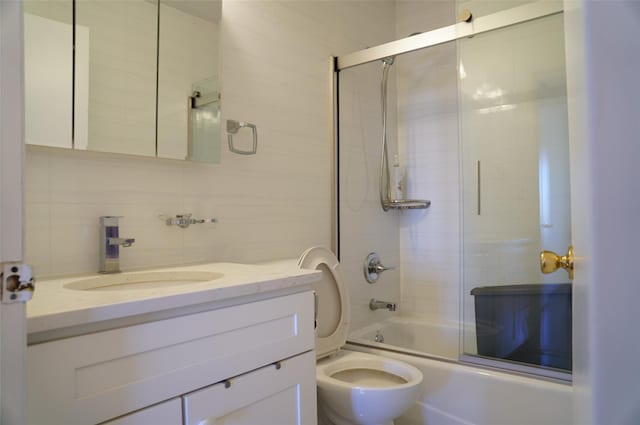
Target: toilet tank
x=529 y=323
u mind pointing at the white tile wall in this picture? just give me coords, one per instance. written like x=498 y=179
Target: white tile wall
x=428 y=136
x=364 y=227
x=272 y=205
x=422 y=127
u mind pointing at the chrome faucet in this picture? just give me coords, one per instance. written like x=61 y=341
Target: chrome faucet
x=110 y=242
x=377 y=305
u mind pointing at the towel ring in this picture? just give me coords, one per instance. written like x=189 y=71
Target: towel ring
x=233 y=127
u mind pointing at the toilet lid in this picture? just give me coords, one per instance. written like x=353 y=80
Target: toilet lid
x=333 y=310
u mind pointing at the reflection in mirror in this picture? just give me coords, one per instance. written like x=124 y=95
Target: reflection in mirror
x=188 y=80
x=144 y=78
x=48 y=52
x=115 y=76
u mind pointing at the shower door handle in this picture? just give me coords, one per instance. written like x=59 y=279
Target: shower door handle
x=478 y=189
x=550 y=262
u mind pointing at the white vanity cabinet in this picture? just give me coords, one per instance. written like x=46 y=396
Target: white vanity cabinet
x=252 y=360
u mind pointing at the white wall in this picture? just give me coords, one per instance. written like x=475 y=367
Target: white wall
x=364 y=226
x=604 y=96
x=271 y=205
x=423 y=129
x=428 y=137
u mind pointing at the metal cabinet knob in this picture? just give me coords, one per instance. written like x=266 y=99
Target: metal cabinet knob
x=550 y=261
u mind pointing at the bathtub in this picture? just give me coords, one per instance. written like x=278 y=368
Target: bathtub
x=455 y=393
x=413 y=336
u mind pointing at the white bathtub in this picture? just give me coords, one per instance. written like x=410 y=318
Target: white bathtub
x=415 y=336
x=461 y=394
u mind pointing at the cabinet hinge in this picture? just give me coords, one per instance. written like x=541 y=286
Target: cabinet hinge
x=18 y=283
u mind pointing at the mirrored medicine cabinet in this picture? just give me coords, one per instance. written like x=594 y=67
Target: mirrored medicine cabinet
x=137 y=77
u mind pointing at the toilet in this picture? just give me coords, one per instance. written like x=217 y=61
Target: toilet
x=353 y=387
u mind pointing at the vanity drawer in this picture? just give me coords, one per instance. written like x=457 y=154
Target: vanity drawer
x=167 y=413
x=282 y=394
x=92 y=378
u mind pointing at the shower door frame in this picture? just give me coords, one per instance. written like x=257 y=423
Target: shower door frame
x=494 y=21
x=498 y=20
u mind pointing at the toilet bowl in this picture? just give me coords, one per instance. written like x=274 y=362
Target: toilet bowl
x=353 y=387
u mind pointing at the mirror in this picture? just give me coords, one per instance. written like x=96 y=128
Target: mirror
x=188 y=80
x=115 y=76
x=48 y=64
x=144 y=78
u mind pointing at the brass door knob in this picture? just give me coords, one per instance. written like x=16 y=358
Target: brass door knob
x=550 y=262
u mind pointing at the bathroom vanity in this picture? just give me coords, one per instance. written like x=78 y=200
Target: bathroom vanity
x=238 y=347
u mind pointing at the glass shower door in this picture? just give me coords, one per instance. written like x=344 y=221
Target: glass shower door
x=515 y=192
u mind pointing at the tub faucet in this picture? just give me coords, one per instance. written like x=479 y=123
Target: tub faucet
x=110 y=242
x=377 y=304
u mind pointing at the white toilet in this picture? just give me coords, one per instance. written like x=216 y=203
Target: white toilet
x=353 y=387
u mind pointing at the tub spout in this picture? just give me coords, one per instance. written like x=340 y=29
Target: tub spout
x=377 y=304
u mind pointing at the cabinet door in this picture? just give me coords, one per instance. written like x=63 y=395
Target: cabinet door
x=91 y=378
x=270 y=395
x=167 y=413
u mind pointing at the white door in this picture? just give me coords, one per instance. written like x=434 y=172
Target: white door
x=12 y=316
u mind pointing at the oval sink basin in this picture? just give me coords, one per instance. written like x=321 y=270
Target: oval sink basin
x=143 y=280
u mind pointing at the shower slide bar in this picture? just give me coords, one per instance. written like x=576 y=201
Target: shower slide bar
x=454 y=32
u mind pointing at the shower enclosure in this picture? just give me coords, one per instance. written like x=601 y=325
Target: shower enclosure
x=476 y=114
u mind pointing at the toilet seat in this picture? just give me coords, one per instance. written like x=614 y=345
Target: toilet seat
x=334 y=311
x=368 y=398
x=373 y=372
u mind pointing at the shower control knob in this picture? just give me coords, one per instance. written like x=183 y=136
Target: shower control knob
x=373 y=267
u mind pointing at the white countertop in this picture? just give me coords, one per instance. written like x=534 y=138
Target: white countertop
x=54 y=306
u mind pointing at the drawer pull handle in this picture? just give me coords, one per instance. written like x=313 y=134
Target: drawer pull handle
x=227 y=383
x=278 y=365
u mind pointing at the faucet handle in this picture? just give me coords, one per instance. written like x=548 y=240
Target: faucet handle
x=373 y=267
x=185 y=220
x=379 y=268
x=124 y=242
x=128 y=242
